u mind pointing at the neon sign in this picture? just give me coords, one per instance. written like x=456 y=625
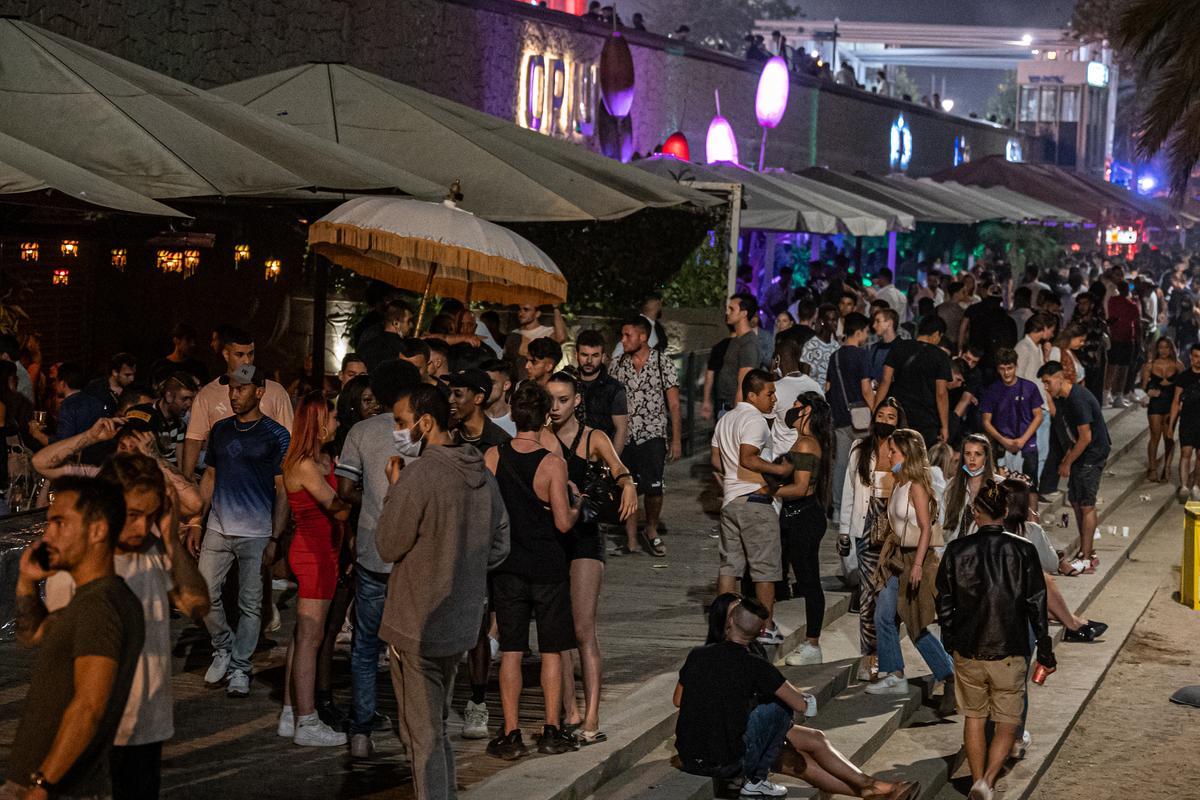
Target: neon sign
x=1121 y=236
x=556 y=95
x=962 y=150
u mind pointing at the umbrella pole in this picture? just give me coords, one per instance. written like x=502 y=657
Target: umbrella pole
x=320 y=314
x=425 y=300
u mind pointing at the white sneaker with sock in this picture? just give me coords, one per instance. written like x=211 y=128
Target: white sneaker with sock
x=892 y=684
x=475 y=721
x=311 y=732
x=287 y=723
x=763 y=788
x=219 y=667
x=807 y=653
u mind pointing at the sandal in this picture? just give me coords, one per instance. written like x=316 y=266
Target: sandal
x=653 y=546
x=623 y=550
x=590 y=737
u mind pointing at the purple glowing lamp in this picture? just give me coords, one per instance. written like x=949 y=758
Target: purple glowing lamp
x=771 y=100
x=720 y=144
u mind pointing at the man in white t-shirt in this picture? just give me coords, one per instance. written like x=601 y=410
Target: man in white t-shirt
x=211 y=404
x=749 y=520
x=884 y=290
x=152 y=563
x=530 y=327
x=787 y=388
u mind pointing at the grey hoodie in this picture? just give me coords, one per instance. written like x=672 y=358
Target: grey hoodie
x=444 y=526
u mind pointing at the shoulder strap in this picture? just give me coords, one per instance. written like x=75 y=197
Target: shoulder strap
x=841 y=378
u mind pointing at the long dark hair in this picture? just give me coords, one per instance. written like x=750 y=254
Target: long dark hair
x=869 y=443
x=349 y=408
x=956 y=488
x=718 y=615
x=1018 y=505
x=820 y=427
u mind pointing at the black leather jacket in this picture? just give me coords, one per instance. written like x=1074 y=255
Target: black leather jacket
x=991 y=592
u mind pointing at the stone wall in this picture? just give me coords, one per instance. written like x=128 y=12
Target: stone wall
x=473 y=51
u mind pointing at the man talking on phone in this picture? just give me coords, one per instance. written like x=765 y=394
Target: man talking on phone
x=88 y=650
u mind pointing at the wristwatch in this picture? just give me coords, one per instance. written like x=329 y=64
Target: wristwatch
x=36 y=778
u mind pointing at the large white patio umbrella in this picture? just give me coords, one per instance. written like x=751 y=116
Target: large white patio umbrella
x=161 y=137
x=508 y=174
x=25 y=169
x=436 y=247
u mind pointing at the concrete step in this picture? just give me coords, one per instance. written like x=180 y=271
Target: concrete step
x=644 y=719
x=931 y=753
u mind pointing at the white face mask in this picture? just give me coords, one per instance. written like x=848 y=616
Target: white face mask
x=973 y=473
x=405 y=444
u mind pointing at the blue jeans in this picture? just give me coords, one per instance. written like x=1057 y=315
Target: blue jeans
x=887 y=631
x=370 y=592
x=766 y=731
x=217 y=555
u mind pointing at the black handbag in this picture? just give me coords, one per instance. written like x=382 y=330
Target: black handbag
x=603 y=493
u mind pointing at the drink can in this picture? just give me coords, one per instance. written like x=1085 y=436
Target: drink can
x=1040 y=673
x=843 y=545
x=810 y=704
x=1066 y=520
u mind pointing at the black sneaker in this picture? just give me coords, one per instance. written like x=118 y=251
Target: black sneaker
x=509 y=747
x=554 y=741
x=1097 y=628
x=380 y=722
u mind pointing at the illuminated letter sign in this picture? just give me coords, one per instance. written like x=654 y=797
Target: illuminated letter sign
x=556 y=95
x=901 y=144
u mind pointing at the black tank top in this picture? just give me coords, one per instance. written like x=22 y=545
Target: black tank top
x=577 y=473
x=536 y=553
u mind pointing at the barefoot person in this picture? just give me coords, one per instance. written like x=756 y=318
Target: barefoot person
x=735 y=717
x=582 y=446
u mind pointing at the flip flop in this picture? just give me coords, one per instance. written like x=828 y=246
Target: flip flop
x=590 y=737
x=653 y=546
x=623 y=550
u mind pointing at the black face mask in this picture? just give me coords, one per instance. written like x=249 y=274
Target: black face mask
x=884 y=429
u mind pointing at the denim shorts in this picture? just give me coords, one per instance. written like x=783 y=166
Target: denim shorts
x=1084 y=484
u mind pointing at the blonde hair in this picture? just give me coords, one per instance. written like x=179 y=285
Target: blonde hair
x=941 y=455
x=916 y=464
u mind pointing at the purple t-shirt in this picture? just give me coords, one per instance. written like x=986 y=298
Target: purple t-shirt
x=1012 y=408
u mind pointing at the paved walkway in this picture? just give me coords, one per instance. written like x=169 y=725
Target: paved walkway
x=651 y=614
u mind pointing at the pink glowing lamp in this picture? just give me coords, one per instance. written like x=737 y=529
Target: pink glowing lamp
x=720 y=144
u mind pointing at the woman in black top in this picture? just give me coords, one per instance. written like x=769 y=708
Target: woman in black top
x=803 y=518
x=583 y=447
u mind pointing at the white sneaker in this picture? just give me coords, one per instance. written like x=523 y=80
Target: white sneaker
x=1120 y=402
x=806 y=653
x=219 y=667
x=361 y=746
x=287 y=723
x=980 y=791
x=311 y=732
x=892 y=684
x=1020 y=746
x=772 y=637
x=239 y=684
x=763 y=788
x=475 y=721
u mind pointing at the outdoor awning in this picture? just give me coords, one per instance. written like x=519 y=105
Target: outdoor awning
x=1088 y=198
x=763 y=209
x=163 y=138
x=25 y=169
x=507 y=173
x=920 y=207
x=858 y=215
x=976 y=201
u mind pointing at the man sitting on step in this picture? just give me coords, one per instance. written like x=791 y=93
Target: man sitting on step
x=735 y=717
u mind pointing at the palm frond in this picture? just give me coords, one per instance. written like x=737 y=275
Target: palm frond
x=1163 y=38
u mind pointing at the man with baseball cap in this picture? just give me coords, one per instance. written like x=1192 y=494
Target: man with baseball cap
x=469 y=390
x=244 y=486
x=212 y=402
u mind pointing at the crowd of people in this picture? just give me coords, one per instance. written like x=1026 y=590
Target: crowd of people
x=444 y=491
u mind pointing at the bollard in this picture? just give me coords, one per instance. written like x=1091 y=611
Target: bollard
x=1189 y=577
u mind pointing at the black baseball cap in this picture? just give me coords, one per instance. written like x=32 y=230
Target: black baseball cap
x=474 y=379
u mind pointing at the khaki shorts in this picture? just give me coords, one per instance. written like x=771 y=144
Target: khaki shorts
x=750 y=535
x=992 y=690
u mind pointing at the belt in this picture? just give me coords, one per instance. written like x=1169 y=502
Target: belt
x=764 y=499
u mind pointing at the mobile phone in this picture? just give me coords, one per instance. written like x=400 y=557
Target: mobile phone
x=41 y=555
